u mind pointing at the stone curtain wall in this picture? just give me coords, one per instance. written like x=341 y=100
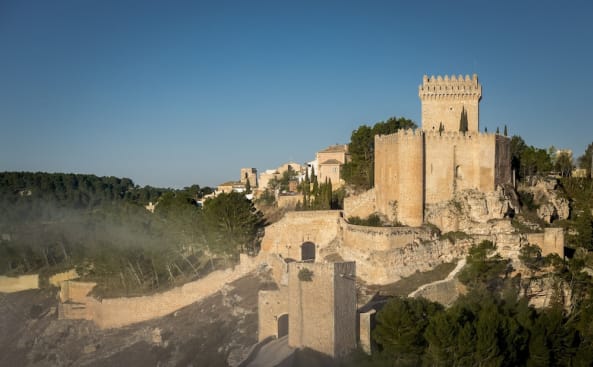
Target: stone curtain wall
x=57 y=279
x=20 y=283
x=366 y=238
x=551 y=241
x=286 y=236
x=361 y=205
x=457 y=162
x=117 y=312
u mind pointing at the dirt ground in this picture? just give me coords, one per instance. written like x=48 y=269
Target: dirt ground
x=217 y=331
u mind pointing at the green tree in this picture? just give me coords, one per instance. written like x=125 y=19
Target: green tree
x=232 y=223
x=484 y=267
x=563 y=164
x=585 y=159
x=359 y=172
x=401 y=324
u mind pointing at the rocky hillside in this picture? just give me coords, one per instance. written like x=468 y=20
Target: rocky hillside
x=215 y=332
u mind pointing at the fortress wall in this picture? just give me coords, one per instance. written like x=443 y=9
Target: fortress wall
x=457 y=161
x=440 y=170
x=286 y=236
x=435 y=111
x=270 y=305
x=71 y=291
x=410 y=206
x=386 y=174
x=399 y=176
x=20 y=283
x=361 y=205
x=311 y=307
x=551 y=241
x=486 y=162
x=365 y=238
x=117 y=312
x=288 y=201
x=278 y=265
x=57 y=279
x=344 y=308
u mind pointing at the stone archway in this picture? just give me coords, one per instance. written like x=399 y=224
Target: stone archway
x=308 y=251
x=282 y=325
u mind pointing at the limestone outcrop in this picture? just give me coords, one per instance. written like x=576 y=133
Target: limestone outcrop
x=544 y=193
x=470 y=208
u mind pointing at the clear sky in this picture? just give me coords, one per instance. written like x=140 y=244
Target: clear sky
x=174 y=93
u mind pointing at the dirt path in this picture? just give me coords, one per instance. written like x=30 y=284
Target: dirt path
x=449 y=277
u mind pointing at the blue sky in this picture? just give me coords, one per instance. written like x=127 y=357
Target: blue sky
x=174 y=93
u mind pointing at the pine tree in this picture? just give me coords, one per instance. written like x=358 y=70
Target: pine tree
x=505 y=130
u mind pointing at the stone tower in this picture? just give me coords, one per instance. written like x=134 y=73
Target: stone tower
x=249 y=174
x=450 y=101
x=322 y=309
x=399 y=176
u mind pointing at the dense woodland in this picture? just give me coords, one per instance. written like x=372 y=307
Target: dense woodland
x=491 y=325
x=100 y=225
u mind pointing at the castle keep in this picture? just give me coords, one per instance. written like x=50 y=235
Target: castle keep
x=414 y=169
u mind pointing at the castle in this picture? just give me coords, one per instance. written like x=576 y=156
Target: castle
x=414 y=169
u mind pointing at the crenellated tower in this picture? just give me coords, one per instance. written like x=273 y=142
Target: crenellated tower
x=450 y=103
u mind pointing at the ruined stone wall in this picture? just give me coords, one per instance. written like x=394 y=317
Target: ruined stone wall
x=444 y=99
x=271 y=305
x=322 y=307
x=399 y=176
x=20 y=283
x=286 y=236
x=365 y=238
x=361 y=205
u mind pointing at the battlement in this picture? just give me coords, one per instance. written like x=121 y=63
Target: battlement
x=400 y=135
x=450 y=87
x=433 y=135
